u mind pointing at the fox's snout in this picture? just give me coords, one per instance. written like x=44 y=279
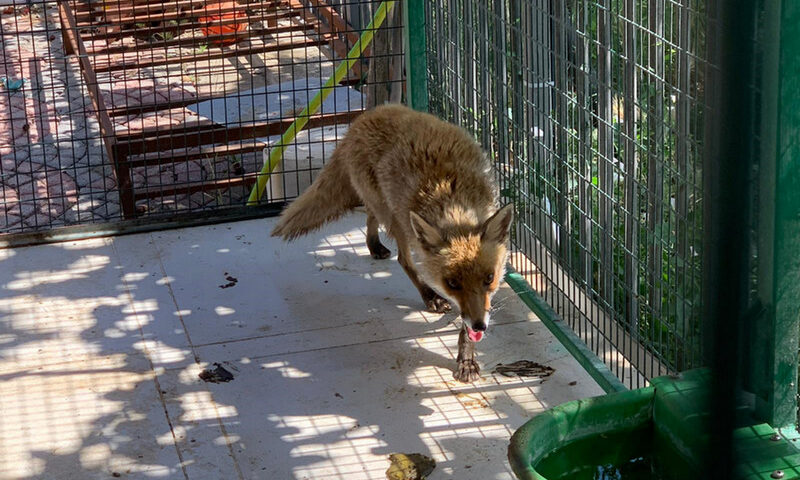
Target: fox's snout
x=475 y=311
x=475 y=328
x=479 y=326
x=476 y=323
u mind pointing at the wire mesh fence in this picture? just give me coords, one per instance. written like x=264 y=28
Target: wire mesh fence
x=120 y=109
x=594 y=113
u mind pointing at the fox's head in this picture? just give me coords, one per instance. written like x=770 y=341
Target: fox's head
x=465 y=265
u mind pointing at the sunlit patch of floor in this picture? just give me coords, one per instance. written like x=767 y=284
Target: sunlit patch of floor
x=335 y=367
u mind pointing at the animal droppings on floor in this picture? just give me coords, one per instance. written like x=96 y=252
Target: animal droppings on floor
x=524 y=368
x=409 y=466
x=231 y=281
x=216 y=375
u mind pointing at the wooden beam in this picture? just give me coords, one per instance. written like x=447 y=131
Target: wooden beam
x=161 y=15
x=337 y=45
x=207 y=40
x=170 y=137
x=194 y=153
x=194 y=187
x=125 y=7
x=138 y=63
x=70 y=29
x=336 y=22
x=144 y=32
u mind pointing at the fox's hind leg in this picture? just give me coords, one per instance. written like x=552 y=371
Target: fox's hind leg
x=376 y=248
x=433 y=301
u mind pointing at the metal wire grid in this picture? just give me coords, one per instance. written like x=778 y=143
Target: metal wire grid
x=594 y=114
x=135 y=108
x=42 y=145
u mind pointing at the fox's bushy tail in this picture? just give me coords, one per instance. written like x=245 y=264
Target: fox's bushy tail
x=328 y=198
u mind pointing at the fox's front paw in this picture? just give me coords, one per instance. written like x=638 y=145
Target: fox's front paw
x=467 y=371
x=438 y=304
x=380 y=252
x=377 y=250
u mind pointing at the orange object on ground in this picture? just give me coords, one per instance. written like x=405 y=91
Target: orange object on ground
x=219 y=23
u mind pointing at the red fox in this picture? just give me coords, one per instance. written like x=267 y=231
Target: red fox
x=431 y=186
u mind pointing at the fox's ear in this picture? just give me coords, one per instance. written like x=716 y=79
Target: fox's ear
x=496 y=228
x=426 y=234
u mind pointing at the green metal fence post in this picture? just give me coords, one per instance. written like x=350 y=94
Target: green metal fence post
x=416 y=55
x=727 y=192
x=779 y=218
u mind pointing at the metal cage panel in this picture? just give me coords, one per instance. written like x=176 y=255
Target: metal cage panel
x=133 y=109
x=594 y=114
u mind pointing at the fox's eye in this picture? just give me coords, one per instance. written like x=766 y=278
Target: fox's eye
x=453 y=284
x=489 y=279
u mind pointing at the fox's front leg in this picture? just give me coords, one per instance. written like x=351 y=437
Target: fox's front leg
x=467 y=369
x=376 y=248
x=433 y=301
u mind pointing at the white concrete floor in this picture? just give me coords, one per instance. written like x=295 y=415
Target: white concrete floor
x=336 y=367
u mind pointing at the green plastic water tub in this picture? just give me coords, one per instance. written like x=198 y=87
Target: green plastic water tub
x=657 y=433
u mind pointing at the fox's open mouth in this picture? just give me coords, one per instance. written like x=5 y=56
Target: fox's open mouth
x=474 y=335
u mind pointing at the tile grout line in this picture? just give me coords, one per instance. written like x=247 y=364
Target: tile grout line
x=455 y=323
x=220 y=423
x=147 y=355
x=435 y=332
x=368 y=342
x=174 y=301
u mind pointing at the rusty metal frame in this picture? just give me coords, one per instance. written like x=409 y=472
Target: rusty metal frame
x=70 y=31
x=194 y=140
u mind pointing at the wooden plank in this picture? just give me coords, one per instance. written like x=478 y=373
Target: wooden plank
x=114 y=111
x=337 y=45
x=138 y=63
x=204 y=40
x=194 y=187
x=194 y=153
x=120 y=8
x=195 y=127
x=164 y=16
x=83 y=5
x=144 y=32
x=336 y=22
x=124 y=2
x=126 y=8
x=378 y=75
x=397 y=61
x=69 y=27
x=170 y=137
x=124 y=110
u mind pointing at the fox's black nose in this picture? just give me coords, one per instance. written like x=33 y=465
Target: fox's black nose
x=479 y=326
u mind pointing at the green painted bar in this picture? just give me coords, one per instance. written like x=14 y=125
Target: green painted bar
x=416 y=55
x=779 y=219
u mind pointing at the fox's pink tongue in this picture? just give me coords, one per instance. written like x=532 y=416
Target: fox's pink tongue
x=473 y=335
